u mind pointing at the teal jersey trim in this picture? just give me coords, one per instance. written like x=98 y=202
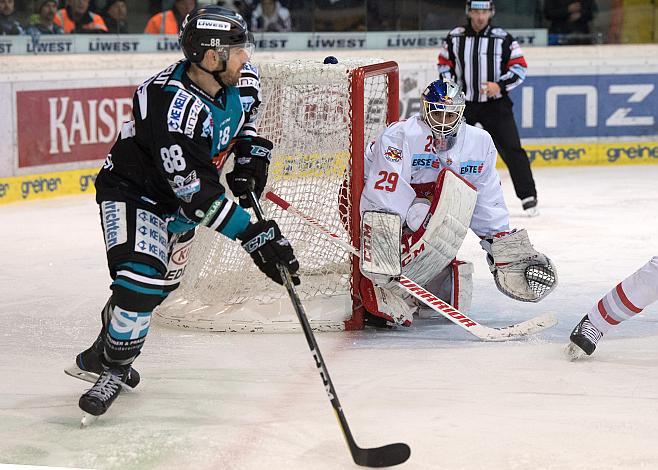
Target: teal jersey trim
x=140 y=268
x=140 y=289
x=225 y=121
x=237 y=224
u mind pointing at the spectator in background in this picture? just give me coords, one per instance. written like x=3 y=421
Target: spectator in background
x=76 y=18
x=270 y=17
x=45 y=21
x=339 y=15
x=8 y=24
x=569 y=21
x=115 y=15
x=169 y=21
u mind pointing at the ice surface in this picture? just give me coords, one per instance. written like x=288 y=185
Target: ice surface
x=241 y=401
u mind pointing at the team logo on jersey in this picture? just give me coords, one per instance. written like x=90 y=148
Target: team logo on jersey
x=471 y=167
x=393 y=154
x=448 y=161
x=185 y=187
x=177 y=110
x=193 y=117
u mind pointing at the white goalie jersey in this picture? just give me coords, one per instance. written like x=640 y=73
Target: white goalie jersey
x=403 y=164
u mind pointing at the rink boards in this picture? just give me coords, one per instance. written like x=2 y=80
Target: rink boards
x=594 y=105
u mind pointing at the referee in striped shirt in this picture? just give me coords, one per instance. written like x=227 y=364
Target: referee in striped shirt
x=488 y=63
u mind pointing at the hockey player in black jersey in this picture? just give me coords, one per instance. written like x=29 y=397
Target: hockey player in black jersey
x=159 y=182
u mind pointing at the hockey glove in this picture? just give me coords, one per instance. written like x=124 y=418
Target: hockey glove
x=267 y=247
x=520 y=271
x=252 y=159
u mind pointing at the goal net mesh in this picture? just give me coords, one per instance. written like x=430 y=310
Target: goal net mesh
x=306 y=112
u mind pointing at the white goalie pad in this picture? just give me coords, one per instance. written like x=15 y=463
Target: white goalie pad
x=520 y=271
x=453 y=285
x=380 y=246
x=432 y=247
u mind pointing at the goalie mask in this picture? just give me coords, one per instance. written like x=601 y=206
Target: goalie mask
x=217 y=28
x=443 y=105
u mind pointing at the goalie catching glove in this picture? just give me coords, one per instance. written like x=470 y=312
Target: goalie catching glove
x=252 y=159
x=267 y=247
x=520 y=271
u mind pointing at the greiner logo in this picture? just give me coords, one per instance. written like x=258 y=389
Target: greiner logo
x=213 y=24
x=557 y=153
x=632 y=152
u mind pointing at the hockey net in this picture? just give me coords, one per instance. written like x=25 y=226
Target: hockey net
x=319 y=118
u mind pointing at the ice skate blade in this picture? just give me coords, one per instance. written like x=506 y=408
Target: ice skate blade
x=573 y=352
x=76 y=372
x=87 y=420
x=531 y=212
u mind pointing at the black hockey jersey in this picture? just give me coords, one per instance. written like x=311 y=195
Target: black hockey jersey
x=163 y=157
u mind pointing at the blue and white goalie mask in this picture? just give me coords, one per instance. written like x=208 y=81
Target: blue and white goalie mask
x=443 y=105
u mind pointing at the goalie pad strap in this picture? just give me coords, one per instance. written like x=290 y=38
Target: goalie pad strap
x=432 y=247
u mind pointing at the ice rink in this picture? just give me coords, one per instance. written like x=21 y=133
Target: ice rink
x=255 y=401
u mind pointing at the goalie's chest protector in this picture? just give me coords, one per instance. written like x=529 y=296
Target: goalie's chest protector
x=467 y=157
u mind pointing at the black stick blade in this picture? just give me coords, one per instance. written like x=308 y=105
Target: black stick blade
x=385 y=456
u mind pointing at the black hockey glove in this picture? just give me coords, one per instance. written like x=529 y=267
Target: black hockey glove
x=264 y=242
x=252 y=159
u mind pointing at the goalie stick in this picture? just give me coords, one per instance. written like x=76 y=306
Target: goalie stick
x=519 y=330
x=384 y=456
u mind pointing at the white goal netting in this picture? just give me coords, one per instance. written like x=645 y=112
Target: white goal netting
x=307 y=113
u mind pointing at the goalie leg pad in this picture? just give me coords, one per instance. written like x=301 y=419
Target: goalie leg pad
x=432 y=247
x=386 y=303
x=453 y=285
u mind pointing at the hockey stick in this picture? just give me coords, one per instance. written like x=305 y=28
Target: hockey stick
x=519 y=330
x=385 y=456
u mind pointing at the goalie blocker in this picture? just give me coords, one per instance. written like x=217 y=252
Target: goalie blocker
x=426 y=255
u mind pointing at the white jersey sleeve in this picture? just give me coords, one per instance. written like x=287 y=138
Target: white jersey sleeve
x=490 y=215
x=388 y=173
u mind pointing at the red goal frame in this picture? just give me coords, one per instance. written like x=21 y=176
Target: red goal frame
x=357 y=149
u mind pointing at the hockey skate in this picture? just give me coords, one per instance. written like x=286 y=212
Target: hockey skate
x=88 y=366
x=100 y=397
x=529 y=205
x=583 y=339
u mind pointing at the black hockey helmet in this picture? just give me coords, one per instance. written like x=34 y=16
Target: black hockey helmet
x=213 y=27
x=480 y=5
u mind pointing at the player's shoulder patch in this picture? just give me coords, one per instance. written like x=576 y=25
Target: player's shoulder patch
x=498 y=32
x=458 y=31
x=249 y=69
x=184 y=111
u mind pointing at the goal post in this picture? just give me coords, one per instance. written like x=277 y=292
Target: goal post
x=320 y=118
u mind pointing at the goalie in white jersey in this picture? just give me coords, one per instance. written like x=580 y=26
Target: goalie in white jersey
x=437 y=176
